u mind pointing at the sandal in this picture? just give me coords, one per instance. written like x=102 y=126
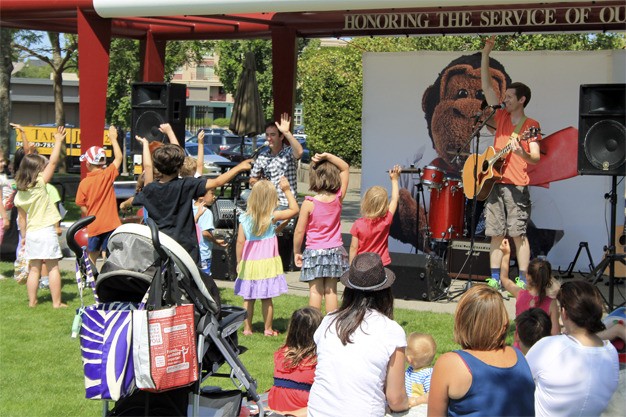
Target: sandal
x=270 y=333
x=247 y=333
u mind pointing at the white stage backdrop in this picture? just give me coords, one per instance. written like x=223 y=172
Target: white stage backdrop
x=395 y=132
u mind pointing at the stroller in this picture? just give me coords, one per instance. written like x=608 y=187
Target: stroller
x=137 y=254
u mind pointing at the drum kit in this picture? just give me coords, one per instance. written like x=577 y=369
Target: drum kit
x=446 y=204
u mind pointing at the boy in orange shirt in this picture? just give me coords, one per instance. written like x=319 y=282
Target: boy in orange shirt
x=96 y=195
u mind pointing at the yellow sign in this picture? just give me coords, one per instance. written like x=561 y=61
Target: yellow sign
x=43 y=139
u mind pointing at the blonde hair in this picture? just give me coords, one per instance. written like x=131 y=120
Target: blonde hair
x=420 y=350
x=262 y=202
x=189 y=167
x=375 y=203
x=481 y=321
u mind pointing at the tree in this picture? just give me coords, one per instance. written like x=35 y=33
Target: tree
x=231 y=57
x=332 y=81
x=6 y=67
x=60 y=55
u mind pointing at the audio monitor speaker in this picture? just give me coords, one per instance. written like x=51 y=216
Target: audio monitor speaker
x=154 y=104
x=459 y=262
x=418 y=277
x=224 y=261
x=602 y=129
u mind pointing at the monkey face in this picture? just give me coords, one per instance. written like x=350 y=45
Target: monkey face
x=452 y=103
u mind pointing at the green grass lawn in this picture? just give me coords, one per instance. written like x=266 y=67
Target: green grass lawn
x=40 y=364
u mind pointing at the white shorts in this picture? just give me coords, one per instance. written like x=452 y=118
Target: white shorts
x=43 y=244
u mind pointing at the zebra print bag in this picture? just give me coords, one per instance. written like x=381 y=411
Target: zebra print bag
x=106 y=349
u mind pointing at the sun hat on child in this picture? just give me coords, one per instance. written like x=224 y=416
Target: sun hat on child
x=367 y=273
x=94 y=156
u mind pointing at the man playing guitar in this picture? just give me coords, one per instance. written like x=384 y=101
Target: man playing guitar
x=507 y=208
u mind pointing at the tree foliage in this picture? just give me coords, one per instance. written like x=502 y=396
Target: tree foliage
x=331 y=78
x=7 y=56
x=231 y=58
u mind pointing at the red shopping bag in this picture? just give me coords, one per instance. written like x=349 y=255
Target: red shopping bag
x=164 y=348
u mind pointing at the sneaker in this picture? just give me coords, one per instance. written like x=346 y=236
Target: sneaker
x=494 y=283
x=520 y=283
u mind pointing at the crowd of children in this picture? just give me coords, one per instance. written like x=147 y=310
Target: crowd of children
x=174 y=194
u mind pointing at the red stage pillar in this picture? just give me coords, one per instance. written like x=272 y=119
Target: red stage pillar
x=284 y=70
x=94 y=39
x=153 y=58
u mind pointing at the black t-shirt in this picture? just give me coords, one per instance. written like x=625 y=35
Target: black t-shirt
x=170 y=206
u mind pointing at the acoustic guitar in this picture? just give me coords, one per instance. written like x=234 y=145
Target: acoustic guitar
x=489 y=168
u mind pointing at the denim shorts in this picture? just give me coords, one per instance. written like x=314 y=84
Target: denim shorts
x=205 y=266
x=507 y=210
x=98 y=242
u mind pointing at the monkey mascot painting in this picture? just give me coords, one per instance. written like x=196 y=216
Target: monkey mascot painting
x=450 y=107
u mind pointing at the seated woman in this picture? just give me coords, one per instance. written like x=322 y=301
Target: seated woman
x=487 y=377
x=360 y=349
x=577 y=372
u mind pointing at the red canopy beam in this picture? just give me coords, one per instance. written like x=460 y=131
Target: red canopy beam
x=94 y=39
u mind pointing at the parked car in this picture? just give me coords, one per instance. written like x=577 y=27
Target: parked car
x=213 y=163
x=234 y=152
x=217 y=141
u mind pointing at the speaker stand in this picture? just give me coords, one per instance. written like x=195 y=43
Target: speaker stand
x=611 y=257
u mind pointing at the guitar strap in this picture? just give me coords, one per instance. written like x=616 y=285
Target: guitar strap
x=519 y=125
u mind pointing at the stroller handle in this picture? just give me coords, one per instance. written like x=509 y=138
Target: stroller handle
x=154 y=232
x=71 y=233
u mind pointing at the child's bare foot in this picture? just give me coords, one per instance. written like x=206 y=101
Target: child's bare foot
x=33 y=304
x=62 y=305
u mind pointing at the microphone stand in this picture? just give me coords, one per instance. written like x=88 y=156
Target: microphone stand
x=475 y=134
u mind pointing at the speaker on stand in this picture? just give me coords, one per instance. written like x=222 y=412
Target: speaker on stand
x=154 y=104
x=601 y=151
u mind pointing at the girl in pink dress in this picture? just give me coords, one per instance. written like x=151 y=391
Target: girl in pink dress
x=324 y=259
x=535 y=294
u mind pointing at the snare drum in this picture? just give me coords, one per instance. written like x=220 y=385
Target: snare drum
x=433 y=177
x=446 y=210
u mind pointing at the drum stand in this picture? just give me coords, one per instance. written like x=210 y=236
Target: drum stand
x=420 y=193
x=451 y=295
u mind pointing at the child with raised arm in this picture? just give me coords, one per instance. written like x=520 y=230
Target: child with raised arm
x=539 y=280
x=324 y=259
x=294 y=364
x=169 y=199
x=96 y=196
x=260 y=274
x=37 y=217
x=370 y=233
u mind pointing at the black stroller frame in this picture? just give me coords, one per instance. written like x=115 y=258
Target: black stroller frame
x=216 y=324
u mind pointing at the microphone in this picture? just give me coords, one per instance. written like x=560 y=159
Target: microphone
x=258 y=150
x=497 y=106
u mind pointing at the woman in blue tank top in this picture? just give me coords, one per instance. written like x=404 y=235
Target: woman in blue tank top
x=487 y=377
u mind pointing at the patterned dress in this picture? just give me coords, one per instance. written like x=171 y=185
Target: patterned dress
x=261 y=272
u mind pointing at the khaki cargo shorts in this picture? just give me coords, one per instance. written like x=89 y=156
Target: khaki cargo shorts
x=507 y=210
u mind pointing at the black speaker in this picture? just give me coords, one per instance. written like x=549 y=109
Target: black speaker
x=154 y=104
x=224 y=261
x=602 y=129
x=418 y=277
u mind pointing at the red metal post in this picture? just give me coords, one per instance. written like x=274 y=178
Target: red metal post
x=284 y=70
x=94 y=39
x=153 y=58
